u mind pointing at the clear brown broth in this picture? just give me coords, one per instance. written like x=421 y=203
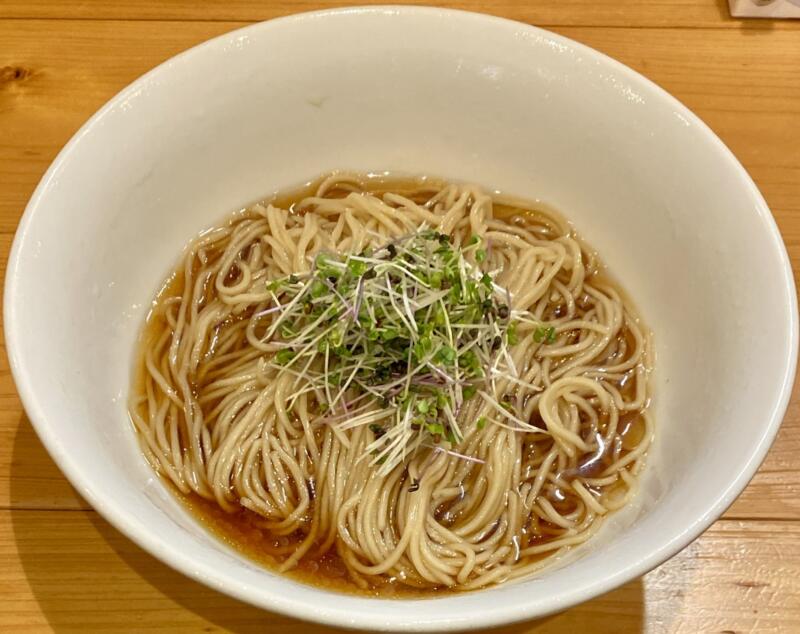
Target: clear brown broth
x=244 y=530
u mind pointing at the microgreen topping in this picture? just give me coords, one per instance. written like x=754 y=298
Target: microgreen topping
x=397 y=339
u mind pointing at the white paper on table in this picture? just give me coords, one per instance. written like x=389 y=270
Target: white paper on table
x=765 y=8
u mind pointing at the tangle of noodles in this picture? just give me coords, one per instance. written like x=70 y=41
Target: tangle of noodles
x=212 y=415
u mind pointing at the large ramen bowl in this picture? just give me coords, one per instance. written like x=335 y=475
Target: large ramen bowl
x=417 y=90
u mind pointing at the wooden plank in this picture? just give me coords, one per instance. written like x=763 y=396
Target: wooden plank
x=772 y=494
x=55 y=74
x=29 y=479
x=72 y=572
x=639 y=13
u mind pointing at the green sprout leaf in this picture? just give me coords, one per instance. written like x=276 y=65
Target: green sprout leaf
x=283 y=357
x=546 y=334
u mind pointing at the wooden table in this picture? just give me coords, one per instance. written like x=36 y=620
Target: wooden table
x=64 y=569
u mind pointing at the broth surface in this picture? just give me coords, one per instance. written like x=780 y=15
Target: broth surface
x=245 y=531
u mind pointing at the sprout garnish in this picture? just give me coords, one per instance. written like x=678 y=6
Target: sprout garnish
x=415 y=327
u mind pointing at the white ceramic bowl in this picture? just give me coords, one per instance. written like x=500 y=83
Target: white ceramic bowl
x=426 y=91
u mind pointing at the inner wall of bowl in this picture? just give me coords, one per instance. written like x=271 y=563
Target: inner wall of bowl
x=516 y=110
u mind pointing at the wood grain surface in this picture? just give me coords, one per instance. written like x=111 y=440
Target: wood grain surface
x=64 y=569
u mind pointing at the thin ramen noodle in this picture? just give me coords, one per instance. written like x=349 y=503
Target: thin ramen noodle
x=501 y=471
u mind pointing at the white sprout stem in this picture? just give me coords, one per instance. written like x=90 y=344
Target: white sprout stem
x=347 y=383
x=407 y=306
x=459 y=455
x=289 y=306
x=365 y=419
x=453 y=423
x=505 y=413
x=397 y=309
x=327 y=382
x=458 y=394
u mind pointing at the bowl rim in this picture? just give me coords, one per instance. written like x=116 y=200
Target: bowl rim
x=331 y=614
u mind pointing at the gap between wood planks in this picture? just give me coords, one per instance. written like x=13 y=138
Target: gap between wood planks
x=754 y=25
